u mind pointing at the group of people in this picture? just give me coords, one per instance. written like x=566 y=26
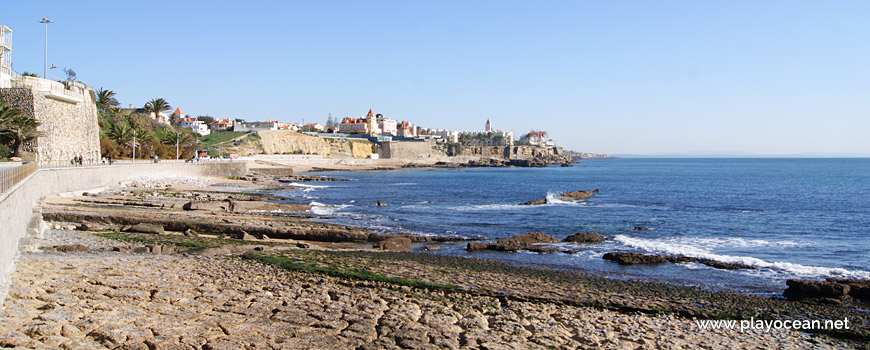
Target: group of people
x=111 y=161
x=77 y=160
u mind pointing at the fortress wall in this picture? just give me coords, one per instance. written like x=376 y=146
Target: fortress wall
x=409 y=150
x=17 y=204
x=68 y=117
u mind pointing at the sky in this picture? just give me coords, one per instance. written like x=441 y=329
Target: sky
x=617 y=77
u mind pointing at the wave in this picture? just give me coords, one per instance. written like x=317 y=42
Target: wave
x=688 y=248
x=324 y=209
x=481 y=207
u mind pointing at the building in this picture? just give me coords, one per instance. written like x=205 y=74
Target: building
x=198 y=126
x=313 y=127
x=405 y=129
x=159 y=117
x=221 y=125
x=256 y=126
x=387 y=126
x=539 y=138
x=5 y=57
x=365 y=125
x=488 y=127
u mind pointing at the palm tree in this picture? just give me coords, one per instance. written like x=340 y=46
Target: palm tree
x=17 y=126
x=106 y=98
x=157 y=106
x=121 y=133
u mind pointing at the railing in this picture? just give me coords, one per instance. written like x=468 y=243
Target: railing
x=60 y=164
x=10 y=177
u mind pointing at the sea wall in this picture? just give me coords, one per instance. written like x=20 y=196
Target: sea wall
x=523 y=153
x=17 y=204
x=291 y=142
x=68 y=117
x=408 y=150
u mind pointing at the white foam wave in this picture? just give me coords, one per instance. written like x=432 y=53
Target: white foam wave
x=688 y=248
x=483 y=207
x=307 y=187
x=405 y=184
x=324 y=209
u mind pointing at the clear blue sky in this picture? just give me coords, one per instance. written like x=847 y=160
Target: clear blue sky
x=773 y=77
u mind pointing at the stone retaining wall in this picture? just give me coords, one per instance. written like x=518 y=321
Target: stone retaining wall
x=16 y=204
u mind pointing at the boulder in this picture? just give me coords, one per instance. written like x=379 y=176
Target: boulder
x=191 y=233
x=642 y=228
x=536 y=202
x=431 y=247
x=830 y=288
x=585 y=237
x=799 y=289
x=69 y=248
x=526 y=241
x=565 y=196
x=522 y=241
x=96 y=226
x=146 y=228
x=634 y=258
x=217 y=206
x=477 y=246
x=575 y=195
x=244 y=236
x=395 y=244
x=382 y=204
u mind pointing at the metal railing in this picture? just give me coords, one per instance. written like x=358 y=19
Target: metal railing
x=60 y=164
x=10 y=177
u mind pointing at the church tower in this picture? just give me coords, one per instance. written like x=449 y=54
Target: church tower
x=488 y=126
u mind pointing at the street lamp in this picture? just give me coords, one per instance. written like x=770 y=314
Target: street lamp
x=45 y=62
x=52 y=72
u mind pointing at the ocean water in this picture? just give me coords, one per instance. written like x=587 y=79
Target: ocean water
x=789 y=218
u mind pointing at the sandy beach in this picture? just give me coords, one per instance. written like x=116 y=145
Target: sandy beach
x=132 y=290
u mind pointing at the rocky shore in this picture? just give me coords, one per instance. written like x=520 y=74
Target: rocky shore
x=189 y=264
x=98 y=299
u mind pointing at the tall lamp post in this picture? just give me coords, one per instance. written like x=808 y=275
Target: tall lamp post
x=45 y=62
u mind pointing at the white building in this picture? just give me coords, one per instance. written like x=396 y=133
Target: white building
x=5 y=57
x=387 y=125
x=198 y=126
x=256 y=126
x=540 y=138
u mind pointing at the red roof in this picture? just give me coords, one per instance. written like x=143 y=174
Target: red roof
x=178 y=111
x=188 y=119
x=370 y=115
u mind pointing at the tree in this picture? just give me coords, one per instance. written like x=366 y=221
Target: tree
x=157 y=106
x=106 y=98
x=205 y=119
x=28 y=74
x=121 y=133
x=331 y=122
x=70 y=74
x=17 y=126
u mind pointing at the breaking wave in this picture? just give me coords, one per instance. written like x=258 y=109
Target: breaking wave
x=692 y=247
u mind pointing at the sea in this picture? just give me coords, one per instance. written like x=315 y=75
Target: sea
x=788 y=218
